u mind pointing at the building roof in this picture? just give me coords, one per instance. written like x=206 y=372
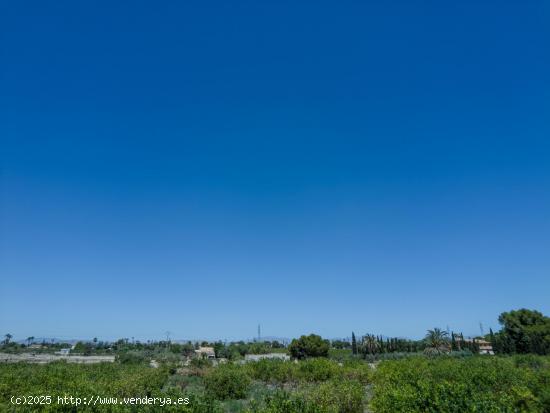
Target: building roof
x=479 y=341
x=209 y=351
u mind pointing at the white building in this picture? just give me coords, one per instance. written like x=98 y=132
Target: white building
x=270 y=356
x=206 y=352
x=484 y=346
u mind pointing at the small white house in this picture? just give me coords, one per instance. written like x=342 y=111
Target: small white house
x=205 y=352
x=484 y=346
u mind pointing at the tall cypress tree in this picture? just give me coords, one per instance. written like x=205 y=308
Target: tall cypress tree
x=493 y=341
x=453 y=341
x=353 y=344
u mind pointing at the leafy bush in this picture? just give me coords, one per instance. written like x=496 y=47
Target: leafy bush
x=227 y=382
x=358 y=370
x=531 y=361
x=371 y=358
x=283 y=402
x=308 y=371
x=342 y=396
x=344 y=354
x=277 y=371
x=475 y=384
x=316 y=370
x=79 y=380
x=131 y=357
x=200 y=363
x=329 y=397
x=271 y=371
x=543 y=383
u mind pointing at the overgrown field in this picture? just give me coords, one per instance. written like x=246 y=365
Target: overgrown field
x=416 y=384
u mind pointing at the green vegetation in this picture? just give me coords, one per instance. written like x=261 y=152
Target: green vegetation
x=61 y=379
x=226 y=382
x=441 y=373
x=524 y=331
x=353 y=344
x=476 y=384
x=309 y=346
x=415 y=384
x=328 y=397
x=307 y=371
x=437 y=342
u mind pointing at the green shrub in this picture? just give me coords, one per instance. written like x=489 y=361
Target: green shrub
x=271 y=371
x=475 y=384
x=227 y=382
x=342 y=396
x=79 y=380
x=316 y=370
x=343 y=354
x=531 y=361
x=200 y=363
x=311 y=370
x=285 y=402
x=131 y=357
x=358 y=370
x=329 y=397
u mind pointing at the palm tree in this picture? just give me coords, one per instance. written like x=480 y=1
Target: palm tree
x=438 y=341
x=8 y=338
x=29 y=340
x=371 y=344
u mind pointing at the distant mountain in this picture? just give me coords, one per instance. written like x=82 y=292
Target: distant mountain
x=57 y=340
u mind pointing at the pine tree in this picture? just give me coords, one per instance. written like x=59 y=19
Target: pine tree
x=508 y=345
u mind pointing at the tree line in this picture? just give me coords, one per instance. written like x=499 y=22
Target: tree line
x=522 y=331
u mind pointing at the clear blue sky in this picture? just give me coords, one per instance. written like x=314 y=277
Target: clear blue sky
x=202 y=167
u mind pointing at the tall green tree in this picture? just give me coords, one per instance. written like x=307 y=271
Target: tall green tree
x=309 y=346
x=493 y=341
x=353 y=344
x=437 y=341
x=453 y=341
x=525 y=331
x=371 y=344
